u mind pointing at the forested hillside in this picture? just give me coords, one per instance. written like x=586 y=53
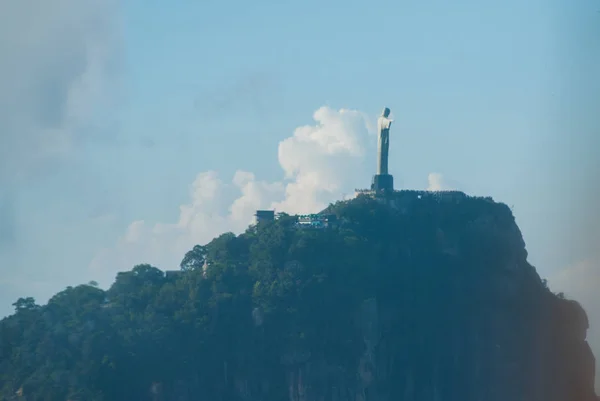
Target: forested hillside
x=431 y=300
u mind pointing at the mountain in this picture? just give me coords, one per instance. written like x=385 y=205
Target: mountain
x=416 y=296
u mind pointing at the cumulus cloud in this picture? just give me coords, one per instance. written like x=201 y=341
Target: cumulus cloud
x=436 y=182
x=56 y=57
x=320 y=163
x=323 y=160
x=581 y=282
x=441 y=182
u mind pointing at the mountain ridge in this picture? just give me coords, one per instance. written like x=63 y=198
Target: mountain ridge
x=411 y=296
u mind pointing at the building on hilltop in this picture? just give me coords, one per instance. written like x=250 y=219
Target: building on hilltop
x=264 y=215
x=315 y=220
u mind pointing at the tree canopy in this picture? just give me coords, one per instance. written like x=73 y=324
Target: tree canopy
x=246 y=309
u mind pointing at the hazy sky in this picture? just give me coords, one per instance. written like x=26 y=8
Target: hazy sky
x=130 y=131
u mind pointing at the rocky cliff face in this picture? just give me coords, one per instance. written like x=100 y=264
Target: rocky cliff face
x=417 y=296
x=489 y=330
x=463 y=317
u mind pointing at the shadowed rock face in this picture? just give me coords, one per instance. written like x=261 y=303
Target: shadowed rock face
x=416 y=296
x=461 y=316
x=466 y=318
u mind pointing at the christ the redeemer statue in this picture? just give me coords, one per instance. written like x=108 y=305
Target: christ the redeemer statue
x=383 y=142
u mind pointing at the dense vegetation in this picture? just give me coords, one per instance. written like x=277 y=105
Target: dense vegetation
x=390 y=290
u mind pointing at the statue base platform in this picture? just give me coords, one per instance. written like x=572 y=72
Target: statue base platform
x=382 y=183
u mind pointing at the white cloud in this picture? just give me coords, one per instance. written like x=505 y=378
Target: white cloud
x=581 y=282
x=323 y=160
x=320 y=163
x=436 y=182
x=254 y=195
x=440 y=182
x=56 y=60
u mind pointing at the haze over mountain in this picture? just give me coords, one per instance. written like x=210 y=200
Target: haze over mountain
x=132 y=131
x=412 y=295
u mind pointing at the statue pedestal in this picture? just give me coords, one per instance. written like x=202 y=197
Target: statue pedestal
x=383 y=182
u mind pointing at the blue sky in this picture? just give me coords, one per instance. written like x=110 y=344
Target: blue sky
x=130 y=101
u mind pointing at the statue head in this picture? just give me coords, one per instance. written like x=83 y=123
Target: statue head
x=385 y=112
